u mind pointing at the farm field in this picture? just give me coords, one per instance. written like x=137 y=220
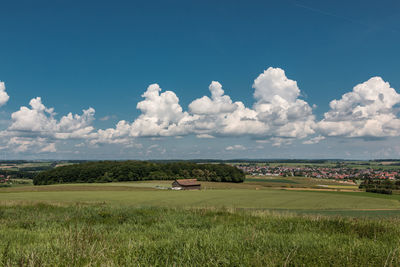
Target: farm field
x=251 y=182
x=297 y=182
x=17 y=166
x=261 y=194
x=256 y=223
x=235 y=198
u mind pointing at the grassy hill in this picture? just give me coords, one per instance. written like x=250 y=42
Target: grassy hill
x=104 y=235
x=255 y=223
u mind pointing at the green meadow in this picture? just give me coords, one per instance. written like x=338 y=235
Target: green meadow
x=256 y=223
x=104 y=235
x=216 y=198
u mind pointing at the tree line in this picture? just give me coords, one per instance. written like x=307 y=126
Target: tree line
x=380 y=186
x=17 y=174
x=116 y=171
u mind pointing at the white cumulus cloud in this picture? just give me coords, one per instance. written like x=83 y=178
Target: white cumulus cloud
x=219 y=103
x=49 y=148
x=277 y=112
x=38 y=120
x=235 y=147
x=367 y=111
x=314 y=140
x=23 y=144
x=3 y=94
x=161 y=115
x=117 y=135
x=37 y=128
x=278 y=105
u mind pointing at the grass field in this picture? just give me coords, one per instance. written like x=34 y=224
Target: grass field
x=238 y=198
x=296 y=182
x=255 y=223
x=249 y=195
x=104 y=235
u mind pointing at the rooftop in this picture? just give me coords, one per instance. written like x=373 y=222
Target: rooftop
x=187 y=182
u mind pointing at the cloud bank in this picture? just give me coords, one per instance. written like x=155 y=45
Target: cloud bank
x=277 y=112
x=278 y=115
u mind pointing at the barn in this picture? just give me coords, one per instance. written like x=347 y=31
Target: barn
x=186 y=184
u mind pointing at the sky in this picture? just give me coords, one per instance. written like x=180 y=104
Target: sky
x=199 y=79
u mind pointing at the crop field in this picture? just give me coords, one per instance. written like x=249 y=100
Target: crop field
x=17 y=166
x=256 y=223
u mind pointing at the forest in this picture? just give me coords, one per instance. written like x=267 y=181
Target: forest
x=115 y=171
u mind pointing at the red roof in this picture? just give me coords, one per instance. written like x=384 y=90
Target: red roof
x=187 y=182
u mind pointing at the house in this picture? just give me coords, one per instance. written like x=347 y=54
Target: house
x=186 y=184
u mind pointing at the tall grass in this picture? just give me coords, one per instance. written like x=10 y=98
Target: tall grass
x=111 y=235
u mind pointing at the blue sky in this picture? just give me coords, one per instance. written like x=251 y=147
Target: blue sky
x=105 y=55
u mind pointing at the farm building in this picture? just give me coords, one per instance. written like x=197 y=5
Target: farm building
x=186 y=184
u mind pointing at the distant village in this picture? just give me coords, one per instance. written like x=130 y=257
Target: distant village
x=343 y=173
x=320 y=172
x=4 y=178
